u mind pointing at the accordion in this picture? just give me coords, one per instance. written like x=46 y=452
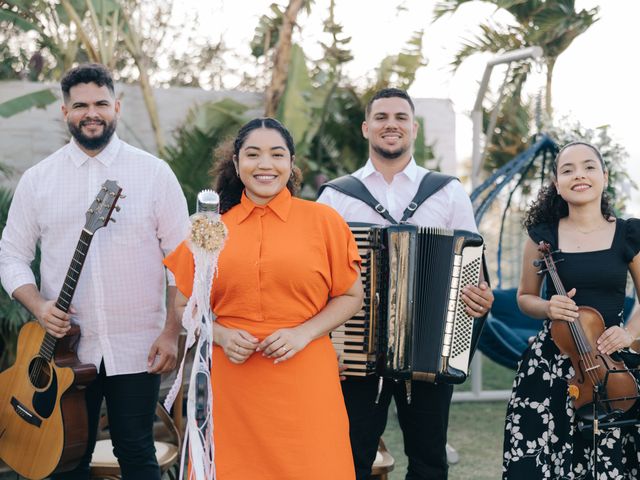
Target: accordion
x=413 y=323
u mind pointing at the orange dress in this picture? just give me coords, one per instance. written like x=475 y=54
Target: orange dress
x=279 y=267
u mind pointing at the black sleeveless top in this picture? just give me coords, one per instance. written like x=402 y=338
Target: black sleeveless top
x=600 y=276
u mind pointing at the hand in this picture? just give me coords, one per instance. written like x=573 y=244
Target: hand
x=163 y=353
x=237 y=345
x=342 y=368
x=563 y=308
x=54 y=320
x=285 y=343
x=478 y=299
x=614 y=339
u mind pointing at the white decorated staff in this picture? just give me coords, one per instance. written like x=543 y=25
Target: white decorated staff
x=206 y=240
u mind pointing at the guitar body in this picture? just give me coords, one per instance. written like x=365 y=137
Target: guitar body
x=43 y=414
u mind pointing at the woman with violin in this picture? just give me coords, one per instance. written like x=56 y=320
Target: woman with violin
x=585 y=253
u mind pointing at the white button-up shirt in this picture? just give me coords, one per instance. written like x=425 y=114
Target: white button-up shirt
x=449 y=207
x=120 y=297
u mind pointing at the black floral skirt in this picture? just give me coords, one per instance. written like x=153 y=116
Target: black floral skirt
x=541 y=437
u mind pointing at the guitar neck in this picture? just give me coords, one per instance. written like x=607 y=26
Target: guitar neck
x=68 y=288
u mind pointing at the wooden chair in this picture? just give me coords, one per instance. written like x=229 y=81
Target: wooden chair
x=383 y=463
x=168 y=434
x=104 y=463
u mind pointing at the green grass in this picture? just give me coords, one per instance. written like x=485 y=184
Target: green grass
x=475 y=431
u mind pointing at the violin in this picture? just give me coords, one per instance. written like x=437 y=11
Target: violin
x=594 y=371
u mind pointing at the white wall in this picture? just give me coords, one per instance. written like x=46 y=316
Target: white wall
x=29 y=137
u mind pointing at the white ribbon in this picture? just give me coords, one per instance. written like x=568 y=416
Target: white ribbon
x=198 y=320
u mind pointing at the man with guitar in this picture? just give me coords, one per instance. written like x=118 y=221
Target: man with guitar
x=127 y=330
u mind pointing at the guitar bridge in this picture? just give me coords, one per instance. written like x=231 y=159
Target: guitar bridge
x=24 y=413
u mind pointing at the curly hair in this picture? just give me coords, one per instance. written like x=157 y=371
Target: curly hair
x=550 y=207
x=86 y=73
x=226 y=180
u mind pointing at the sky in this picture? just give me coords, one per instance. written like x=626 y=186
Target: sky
x=596 y=80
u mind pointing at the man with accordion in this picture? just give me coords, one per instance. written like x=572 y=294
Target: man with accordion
x=404 y=208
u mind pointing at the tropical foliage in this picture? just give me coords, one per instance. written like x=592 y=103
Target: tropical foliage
x=191 y=153
x=319 y=104
x=12 y=314
x=614 y=155
x=550 y=24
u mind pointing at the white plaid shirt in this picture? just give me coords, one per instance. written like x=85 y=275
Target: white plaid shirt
x=119 y=299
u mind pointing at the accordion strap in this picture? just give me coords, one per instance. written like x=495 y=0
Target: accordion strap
x=351 y=186
x=431 y=183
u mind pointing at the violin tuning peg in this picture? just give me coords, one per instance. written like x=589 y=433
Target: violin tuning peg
x=537 y=263
x=111 y=219
x=118 y=208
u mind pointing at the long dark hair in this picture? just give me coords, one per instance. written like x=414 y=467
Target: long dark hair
x=550 y=207
x=225 y=179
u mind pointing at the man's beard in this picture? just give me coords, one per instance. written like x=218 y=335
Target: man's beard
x=389 y=154
x=93 y=143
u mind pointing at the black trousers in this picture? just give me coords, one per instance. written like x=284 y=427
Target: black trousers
x=131 y=405
x=423 y=422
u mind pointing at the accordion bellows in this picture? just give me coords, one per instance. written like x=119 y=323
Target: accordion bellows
x=413 y=324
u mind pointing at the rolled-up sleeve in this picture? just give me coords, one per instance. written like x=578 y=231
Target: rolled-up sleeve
x=171 y=213
x=461 y=210
x=342 y=253
x=19 y=238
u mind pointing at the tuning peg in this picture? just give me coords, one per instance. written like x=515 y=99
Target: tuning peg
x=111 y=219
x=117 y=208
x=123 y=195
x=537 y=263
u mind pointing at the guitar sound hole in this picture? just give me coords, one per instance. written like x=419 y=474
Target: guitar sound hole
x=39 y=372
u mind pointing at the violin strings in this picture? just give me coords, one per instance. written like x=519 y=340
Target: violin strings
x=576 y=331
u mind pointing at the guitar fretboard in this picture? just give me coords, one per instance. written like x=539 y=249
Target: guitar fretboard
x=68 y=289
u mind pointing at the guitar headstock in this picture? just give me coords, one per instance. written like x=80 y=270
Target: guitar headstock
x=100 y=211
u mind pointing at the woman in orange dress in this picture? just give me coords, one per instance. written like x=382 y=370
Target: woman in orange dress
x=288 y=275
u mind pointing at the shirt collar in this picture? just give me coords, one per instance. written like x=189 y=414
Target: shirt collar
x=410 y=171
x=106 y=156
x=280 y=205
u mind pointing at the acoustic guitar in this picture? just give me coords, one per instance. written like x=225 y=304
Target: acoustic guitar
x=43 y=414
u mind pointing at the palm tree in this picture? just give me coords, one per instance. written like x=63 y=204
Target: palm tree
x=550 y=24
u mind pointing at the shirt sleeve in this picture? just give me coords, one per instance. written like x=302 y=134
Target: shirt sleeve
x=543 y=232
x=180 y=263
x=632 y=236
x=19 y=238
x=328 y=197
x=461 y=213
x=171 y=212
x=343 y=256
